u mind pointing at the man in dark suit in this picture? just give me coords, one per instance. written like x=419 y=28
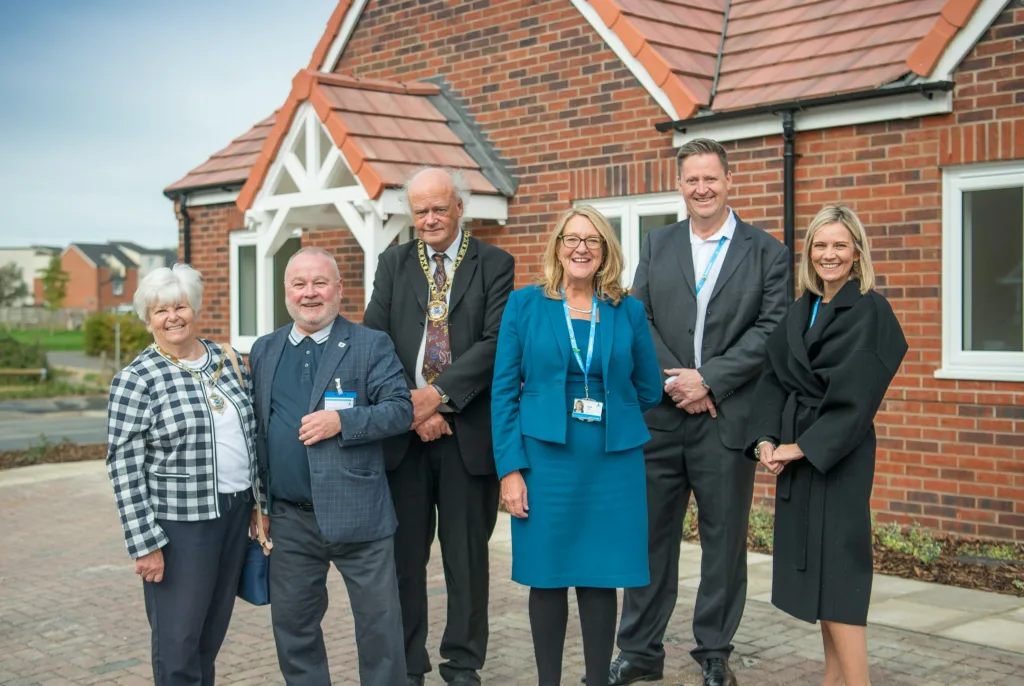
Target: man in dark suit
x=441 y=298
x=714 y=288
x=327 y=392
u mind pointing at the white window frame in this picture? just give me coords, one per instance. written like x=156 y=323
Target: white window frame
x=957 y=363
x=629 y=210
x=238 y=239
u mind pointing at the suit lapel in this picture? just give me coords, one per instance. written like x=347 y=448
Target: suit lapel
x=275 y=347
x=606 y=327
x=741 y=239
x=463 y=275
x=847 y=297
x=796 y=326
x=337 y=347
x=681 y=236
x=556 y=317
x=413 y=275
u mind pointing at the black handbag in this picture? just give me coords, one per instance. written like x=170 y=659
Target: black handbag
x=254 y=583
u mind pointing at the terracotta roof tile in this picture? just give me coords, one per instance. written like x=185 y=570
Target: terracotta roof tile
x=230 y=166
x=384 y=129
x=778 y=50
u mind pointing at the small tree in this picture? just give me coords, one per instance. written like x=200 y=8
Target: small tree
x=55 y=285
x=12 y=285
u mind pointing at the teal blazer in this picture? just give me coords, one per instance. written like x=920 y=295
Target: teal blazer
x=532 y=362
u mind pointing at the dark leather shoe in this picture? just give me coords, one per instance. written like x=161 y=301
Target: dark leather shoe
x=465 y=679
x=623 y=672
x=717 y=672
x=413 y=680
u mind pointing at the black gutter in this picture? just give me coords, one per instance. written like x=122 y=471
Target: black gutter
x=788 y=192
x=925 y=89
x=721 y=51
x=186 y=229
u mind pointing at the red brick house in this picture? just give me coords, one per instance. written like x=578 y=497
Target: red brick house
x=100 y=277
x=912 y=111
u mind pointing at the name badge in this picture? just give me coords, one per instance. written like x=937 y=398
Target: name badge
x=339 y=401
x=587 y=410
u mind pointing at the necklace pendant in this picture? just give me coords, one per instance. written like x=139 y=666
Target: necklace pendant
x=217 y=403
x=437 y=310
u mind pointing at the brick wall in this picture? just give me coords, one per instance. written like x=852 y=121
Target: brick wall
x=210 y=227
x=573 y=123
x=951 y=453
x=83 y=281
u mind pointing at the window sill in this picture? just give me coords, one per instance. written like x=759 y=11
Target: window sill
x=980 y=373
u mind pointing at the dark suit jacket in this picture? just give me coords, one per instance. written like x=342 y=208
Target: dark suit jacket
x=480 y=288
x=747 y=304
x=350 y=490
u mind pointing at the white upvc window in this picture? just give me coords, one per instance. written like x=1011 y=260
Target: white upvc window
x=634 y=217
x=243 y=290
x=982 y=288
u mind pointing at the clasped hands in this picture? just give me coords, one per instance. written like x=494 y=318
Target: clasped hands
x=427 y=422
x=774 y=459
x=688 y=393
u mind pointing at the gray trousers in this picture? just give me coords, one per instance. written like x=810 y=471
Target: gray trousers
x=691 y=459
x=298 y=601
x=189 y=611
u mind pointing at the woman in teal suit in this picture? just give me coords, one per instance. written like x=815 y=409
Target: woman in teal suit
x=575 y=370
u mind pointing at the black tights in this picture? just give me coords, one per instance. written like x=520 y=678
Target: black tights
x=549 y=614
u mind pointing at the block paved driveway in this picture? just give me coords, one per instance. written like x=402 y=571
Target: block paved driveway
x=71 y=612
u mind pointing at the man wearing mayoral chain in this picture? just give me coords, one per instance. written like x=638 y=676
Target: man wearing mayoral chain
x=441 y=299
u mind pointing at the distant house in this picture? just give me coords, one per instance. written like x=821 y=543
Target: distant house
x=145 y=258
x=30 y=260
x=912 y=111
x=101 y=277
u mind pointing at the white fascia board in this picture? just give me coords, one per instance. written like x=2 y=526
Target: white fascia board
x=348 y=26
x=905 y=106
x=296 y=129
x=327 y=196
x=967 y=37
x=211 y=198
x=632 y=63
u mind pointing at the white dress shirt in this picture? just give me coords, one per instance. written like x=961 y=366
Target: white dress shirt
x=703 y=249
x=451 y=254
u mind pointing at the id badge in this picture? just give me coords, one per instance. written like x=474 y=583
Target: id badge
x=587 y=410
x=339 y=401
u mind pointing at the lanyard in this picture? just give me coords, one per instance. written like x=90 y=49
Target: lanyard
x=711 y=263
x=575 y=347
x=814 y=312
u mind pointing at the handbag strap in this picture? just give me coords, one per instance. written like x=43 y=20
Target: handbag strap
x=261 y=535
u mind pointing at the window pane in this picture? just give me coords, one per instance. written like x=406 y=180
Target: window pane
x=290 y=247
x=993 y=247
x=651 y=222
x=247 y=290
x=616 y=223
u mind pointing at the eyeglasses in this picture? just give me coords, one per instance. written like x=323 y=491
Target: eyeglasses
x=573 y=242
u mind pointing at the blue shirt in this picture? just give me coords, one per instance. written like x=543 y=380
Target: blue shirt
x=289 y=403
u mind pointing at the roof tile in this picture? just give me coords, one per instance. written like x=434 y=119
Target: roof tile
x=230 y=166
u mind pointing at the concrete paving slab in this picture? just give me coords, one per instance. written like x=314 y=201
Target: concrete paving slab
x=990 y=631
x=916 y=616
x=968 y=600
x=886 y=587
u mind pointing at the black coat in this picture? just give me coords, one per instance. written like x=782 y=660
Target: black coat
x=821 y=388
x=480 y=289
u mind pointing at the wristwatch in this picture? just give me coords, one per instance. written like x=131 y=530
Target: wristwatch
x=762 y=441
x=444 y=396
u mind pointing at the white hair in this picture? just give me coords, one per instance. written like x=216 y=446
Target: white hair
x=180 y=283
x=458 y=182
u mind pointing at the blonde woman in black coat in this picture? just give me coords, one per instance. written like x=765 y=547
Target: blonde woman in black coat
x=829 y=365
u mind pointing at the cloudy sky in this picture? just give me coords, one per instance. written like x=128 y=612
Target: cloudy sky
x=104 y=103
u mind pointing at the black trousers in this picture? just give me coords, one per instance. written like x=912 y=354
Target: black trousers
x=189 y=611
x=431 y=488
x=691 y=459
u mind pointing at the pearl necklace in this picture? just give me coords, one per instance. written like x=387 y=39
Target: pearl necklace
x=576 y=309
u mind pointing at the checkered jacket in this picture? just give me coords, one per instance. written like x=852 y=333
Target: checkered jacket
x=161 y=445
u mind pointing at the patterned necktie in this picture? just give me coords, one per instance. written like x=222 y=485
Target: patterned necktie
x=437 y=355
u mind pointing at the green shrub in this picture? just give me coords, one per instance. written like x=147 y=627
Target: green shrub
x=916 y=542
x=761 y=531
x=98 y=335
x=17 y=355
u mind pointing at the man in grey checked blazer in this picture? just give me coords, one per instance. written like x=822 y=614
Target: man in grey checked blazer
x=326 y=490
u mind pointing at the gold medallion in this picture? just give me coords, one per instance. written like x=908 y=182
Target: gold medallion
x=437 y=307
x=217 y=403
x=437 y=310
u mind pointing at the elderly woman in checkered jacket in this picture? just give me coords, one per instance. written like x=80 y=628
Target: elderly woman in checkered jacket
x=181 y=458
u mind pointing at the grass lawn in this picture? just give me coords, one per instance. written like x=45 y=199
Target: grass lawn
x=58 y=340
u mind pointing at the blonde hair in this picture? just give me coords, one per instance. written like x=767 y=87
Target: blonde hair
x=607 y=279
x=862 y=269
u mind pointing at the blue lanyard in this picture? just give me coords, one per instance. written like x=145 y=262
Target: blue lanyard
x=572 y=340
x=814 y=312
x=711 y=263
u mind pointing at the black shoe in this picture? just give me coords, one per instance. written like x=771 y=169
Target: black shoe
x=623 y=672
x=413 y=680
x=464 y=679
x=717 y=672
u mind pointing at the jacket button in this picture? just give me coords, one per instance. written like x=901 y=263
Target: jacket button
x=691 y=332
